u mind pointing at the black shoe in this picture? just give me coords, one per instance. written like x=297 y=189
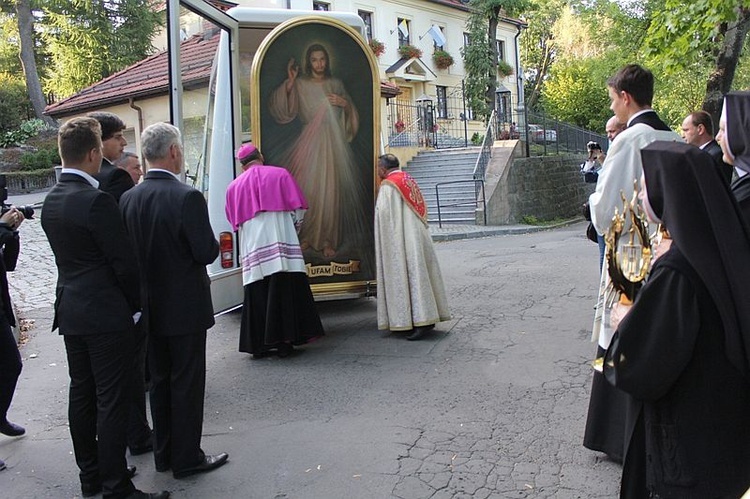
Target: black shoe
x=137 y=450
x=419 y=333
x=139 y=494
x=209 y=463
x=285 y=350
x=89 y=489
x=11 y=429
x=2 y=465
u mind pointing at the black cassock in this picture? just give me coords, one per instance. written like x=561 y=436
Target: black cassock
x=688 y=435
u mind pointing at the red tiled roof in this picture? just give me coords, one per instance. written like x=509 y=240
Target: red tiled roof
x=150 y=77
x=145 y=78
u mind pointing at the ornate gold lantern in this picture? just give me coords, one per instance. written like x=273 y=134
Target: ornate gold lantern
x=628 y=263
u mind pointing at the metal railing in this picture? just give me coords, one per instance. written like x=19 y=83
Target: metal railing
x=478 y=187
x=483 y=158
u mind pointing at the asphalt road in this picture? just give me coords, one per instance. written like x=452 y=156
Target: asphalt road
x=493 y=404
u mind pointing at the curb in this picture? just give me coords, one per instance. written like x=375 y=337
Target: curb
x=483 y=231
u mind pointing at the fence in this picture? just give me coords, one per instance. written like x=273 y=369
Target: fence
x=544 y=136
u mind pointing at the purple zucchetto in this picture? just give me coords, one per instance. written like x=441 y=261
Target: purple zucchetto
x=245 y=151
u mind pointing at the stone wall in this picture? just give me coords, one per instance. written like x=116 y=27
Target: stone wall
x=545 y=188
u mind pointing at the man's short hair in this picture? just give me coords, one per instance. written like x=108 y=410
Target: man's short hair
x=635 y=80
x=110 y=123
x=156 y=140
x=76 y=138
x=389 y=161
x=703 y=118
x=123 y=159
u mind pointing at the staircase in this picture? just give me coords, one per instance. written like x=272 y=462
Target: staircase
x=433 y=167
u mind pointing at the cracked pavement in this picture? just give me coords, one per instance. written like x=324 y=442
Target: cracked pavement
x=492 y=405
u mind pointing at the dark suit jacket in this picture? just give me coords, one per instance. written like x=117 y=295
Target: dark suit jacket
x=714 y=149
x=113 y=180
x=168 y=222
x=651 y=119
x=98 y=280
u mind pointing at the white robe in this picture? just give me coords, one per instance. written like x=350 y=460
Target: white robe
x=410 y=286
x=620 y=170
x=321 y=159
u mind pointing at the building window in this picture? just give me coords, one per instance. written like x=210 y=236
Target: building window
x=404 y=29
x=442 y=101
x=321 y=6
x=500 y=45
x=467 y=40
x=367 y=19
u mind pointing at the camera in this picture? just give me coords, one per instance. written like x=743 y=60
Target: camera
x=26 y=210
x=593 y=146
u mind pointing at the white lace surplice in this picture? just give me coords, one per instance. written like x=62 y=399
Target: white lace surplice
x=269 y=244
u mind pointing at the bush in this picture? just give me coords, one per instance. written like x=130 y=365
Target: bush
x=15 y=106
x=377 y=47
x=25 y=131
x=477 y=139
x=40 y=160
x=503 y=68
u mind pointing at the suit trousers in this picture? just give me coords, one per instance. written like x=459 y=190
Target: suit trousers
x=178 y=384
x=10 y=366
x=138 y=433
x=99 y=367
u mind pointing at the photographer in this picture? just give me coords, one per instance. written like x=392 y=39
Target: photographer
x=10 y=358
x=590 y=168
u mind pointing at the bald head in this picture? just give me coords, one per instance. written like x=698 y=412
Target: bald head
x=613 y=128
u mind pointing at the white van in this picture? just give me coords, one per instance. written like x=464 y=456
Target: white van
x=236 y=112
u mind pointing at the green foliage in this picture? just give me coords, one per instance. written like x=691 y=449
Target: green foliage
x=576 y=91
x=39 y=160
x=25 y=131
x=14 y=103
x=683 y=33
x=89 y=40
x=504 y=69
x=409 y=51
x=477 y=139
x=377 y=47
x=480 y=56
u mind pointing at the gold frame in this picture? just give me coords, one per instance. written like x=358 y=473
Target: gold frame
x=362 y=287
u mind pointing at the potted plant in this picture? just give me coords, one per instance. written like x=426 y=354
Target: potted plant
x=377 y=47
x=409 y=52
x=442 y=59
x=504 y=69
x=400 y=126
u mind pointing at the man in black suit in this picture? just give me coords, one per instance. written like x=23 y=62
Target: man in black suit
x=115 y=181
x=698 y=130
x=112 y=179
x=97 y=304
x=168 y=222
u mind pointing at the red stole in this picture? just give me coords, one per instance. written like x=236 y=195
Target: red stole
x=409 y=190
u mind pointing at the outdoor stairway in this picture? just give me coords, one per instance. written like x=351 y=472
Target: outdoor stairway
x=433 y=167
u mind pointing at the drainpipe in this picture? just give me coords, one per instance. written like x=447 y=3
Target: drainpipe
x=138 y=110
x=521 y=108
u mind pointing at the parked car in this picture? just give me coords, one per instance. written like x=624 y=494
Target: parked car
x=540 y=135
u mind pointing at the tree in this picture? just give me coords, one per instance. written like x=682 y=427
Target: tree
x=28 y=59
x=538 y=46
x=480 y=56
x=709 y=33
x=91 y=39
